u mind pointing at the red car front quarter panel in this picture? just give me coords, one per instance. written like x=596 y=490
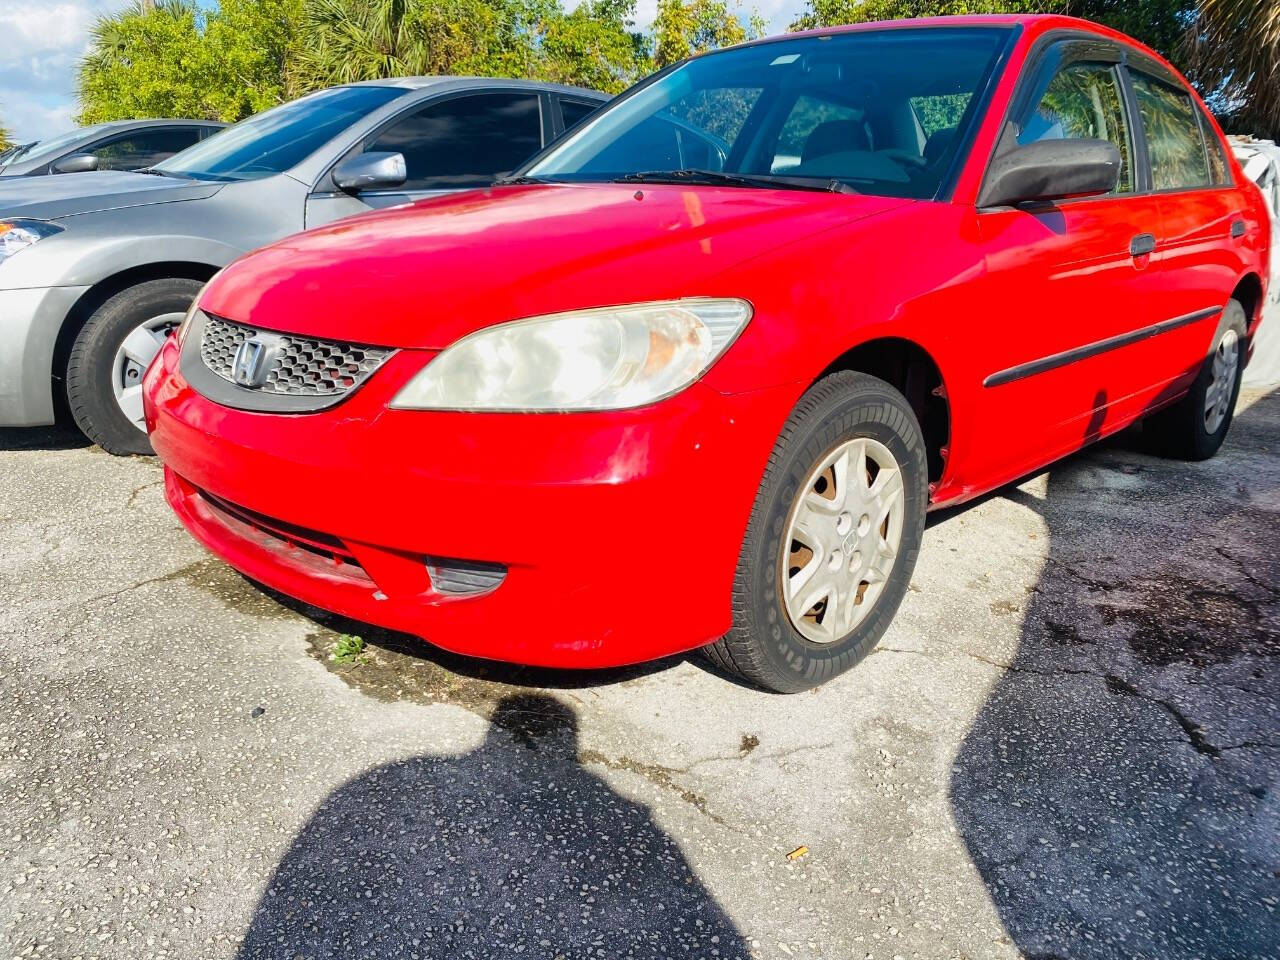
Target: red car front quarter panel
x=592 y=514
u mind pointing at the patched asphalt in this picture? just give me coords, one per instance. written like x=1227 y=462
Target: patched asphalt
x=1067 y=746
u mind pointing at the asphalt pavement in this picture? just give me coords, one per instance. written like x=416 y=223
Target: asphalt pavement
x=1067 y=746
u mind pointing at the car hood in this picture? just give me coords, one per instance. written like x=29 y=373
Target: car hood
x=71 y=194
x=425 y=274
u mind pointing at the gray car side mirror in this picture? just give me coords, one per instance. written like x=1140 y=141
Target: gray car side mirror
x=76 y=163
x=1052 y=170
x=370 y=171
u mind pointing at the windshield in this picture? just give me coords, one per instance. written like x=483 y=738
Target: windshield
x=880 y=111
x=273 y=141
x=54 y=146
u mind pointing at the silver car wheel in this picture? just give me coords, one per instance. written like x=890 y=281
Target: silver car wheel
x=843 y=536
x=1226 y=361
x=132 y=359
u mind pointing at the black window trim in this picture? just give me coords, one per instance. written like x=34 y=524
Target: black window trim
x=325 y=187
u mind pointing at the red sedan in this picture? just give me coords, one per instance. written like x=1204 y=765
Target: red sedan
x=695 y=374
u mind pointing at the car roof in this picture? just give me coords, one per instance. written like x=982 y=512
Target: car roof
x=463 y=83
x=1036 y=25
x=154 y=122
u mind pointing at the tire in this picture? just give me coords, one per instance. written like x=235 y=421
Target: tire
x=101 y=369
x=1182 y=431
x=775 y=648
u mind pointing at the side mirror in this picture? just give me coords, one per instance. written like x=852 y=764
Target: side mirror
x=76 y=163
x=1052 y=170
x=367 y=171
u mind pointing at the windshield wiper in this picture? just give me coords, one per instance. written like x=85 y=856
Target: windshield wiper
x=516 y=181
x=757 y=180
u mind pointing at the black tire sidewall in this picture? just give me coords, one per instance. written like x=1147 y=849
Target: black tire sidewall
x=90 y=369
x=1204 y=444
x=875 y=410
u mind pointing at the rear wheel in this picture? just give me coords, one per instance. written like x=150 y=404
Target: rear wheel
x=833 y=536
x=1195 y=426
x=112 y=352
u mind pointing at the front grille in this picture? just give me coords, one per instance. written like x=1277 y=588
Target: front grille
x=299 y=366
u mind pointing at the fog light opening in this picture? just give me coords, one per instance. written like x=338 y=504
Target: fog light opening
x=464 y=578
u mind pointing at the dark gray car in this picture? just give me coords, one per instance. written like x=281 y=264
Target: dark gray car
x=120 y=145
x=95 y=271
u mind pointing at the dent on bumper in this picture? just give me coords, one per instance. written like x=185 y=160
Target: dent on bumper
x=619 y=532
x=29 y=324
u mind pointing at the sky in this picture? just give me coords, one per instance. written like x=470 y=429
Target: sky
x=44 y=40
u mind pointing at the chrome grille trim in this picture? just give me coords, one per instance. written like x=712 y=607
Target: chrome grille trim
x=304 y=366
x=304 y=375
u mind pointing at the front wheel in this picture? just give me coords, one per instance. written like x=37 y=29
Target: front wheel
x=833 y=536
x=110 y=355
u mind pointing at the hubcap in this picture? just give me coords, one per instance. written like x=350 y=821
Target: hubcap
x=132 y=359
x=842 y=539
x=1226 y=359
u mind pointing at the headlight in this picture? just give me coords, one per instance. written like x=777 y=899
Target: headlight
x=607 y=358
x=17 y=235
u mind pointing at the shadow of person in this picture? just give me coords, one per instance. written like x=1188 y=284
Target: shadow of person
x=511 y=850
x=1119 y=792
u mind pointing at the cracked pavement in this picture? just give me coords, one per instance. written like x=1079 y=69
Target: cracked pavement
x=1067 y=746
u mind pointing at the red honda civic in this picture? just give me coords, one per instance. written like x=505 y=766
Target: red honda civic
x=694 y=375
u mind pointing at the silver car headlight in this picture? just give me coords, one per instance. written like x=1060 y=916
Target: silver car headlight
x=607 y=358
x=17 y=235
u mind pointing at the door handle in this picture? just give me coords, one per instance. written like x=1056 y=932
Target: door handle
x=1237 y=229
x=1142 y=245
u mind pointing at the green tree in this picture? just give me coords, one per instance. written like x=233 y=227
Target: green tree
x=827 y=13
x=173 y=58
x=594 y=46
x=683 y=28
x=1233 y=52
x=1158 y=23
x=6 y=140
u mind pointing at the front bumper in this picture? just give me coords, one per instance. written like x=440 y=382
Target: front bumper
x=29 y=324
x=619 y=532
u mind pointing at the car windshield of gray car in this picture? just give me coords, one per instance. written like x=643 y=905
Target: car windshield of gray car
x=278 y=139
x=880 y=111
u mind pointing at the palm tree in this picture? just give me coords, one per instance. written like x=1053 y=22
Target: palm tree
x=1235 y=55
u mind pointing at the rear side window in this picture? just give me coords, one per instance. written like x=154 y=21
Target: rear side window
x=575 y=111
x=1083 y=102
x=144 y=148
x=1219 y=169
x=467 y=141
x=1174 y=141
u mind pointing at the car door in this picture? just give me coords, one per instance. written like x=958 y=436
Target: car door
x=455 y=143
x=1199 y=233
x=1069 y=282
x=142 y=148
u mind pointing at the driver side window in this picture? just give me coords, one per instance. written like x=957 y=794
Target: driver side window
x=1083 y=102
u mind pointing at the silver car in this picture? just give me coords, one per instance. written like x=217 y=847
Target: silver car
x=95 y=271
x=118 y=145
